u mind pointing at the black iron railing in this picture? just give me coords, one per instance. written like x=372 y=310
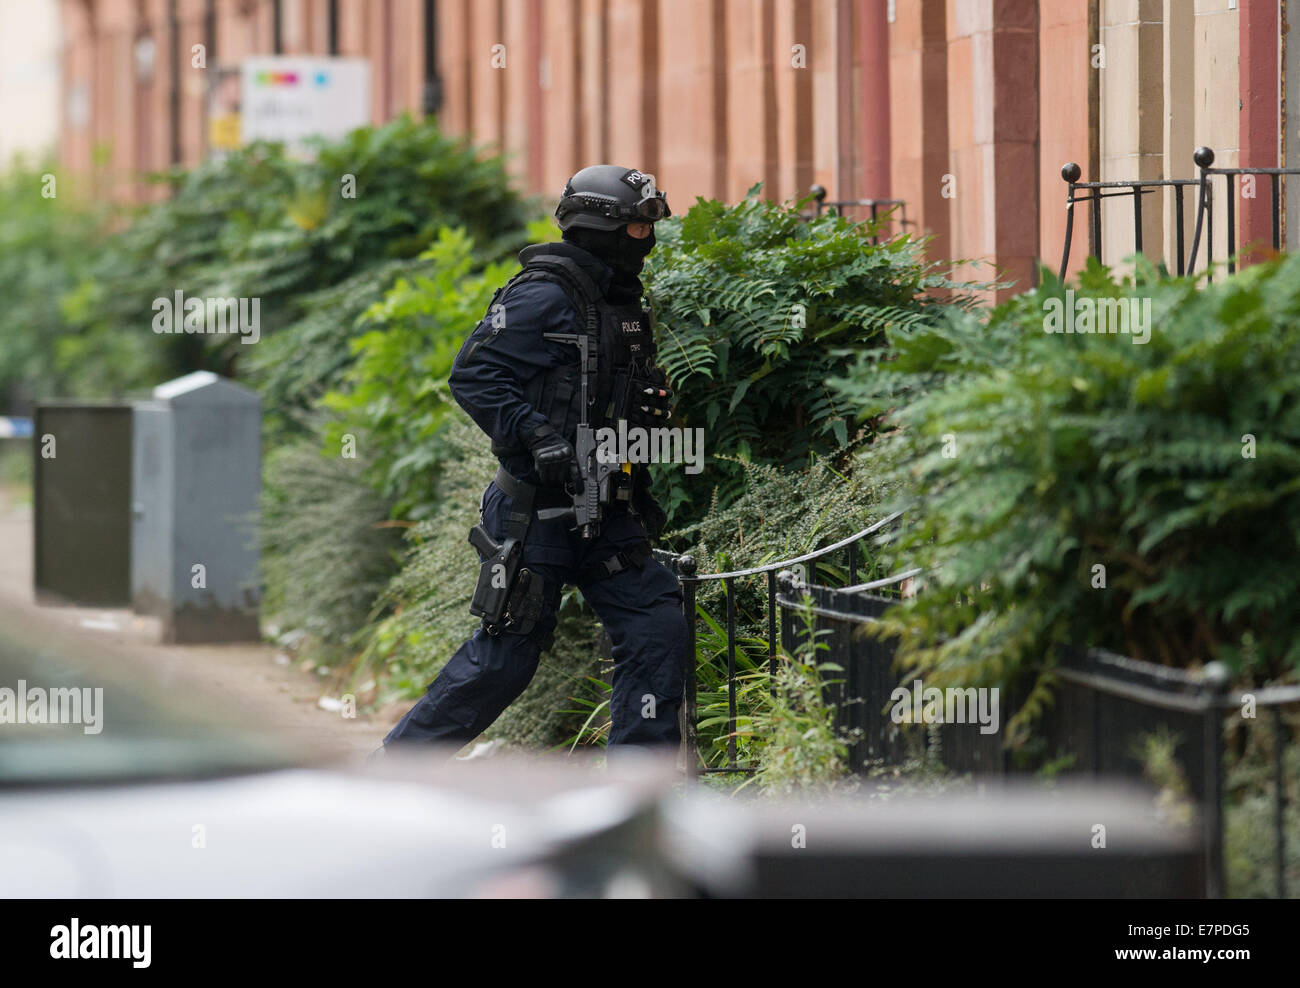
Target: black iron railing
x=873 y=206
x=685 y=567
x=1095 y=192
x=835 y=619
x=1204 y=158
x=1121 y=699
x=1105 y=706
x=840 y=620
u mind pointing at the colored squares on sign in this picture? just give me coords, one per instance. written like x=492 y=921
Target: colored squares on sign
x=322 y=79
x=277 y=78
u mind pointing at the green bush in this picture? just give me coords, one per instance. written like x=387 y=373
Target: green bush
x=256 y=223
x=1086 y=488
x=756 y=307
x=395 y=393
x=294 y=369
x=428 y=598
x=781 y=514
x=46 y=246
x=333 y=257
x=186 y=242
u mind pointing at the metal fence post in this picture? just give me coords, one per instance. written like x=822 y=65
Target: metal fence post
x=1070 y=172
x=686 y=566
x=772 y=642
x=1215 y=679
x=729 y=587
x=1279 y=798
x=1204 y=158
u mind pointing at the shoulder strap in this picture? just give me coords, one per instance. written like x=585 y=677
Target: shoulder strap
x=538 y=256
x=568 y=274
x=586 y=297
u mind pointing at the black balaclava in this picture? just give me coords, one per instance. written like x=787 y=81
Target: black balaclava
x=622 y=253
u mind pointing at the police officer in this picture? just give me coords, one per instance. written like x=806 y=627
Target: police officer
x=520 y=377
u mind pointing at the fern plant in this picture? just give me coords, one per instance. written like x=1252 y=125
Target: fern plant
x=756 y=308
x=1086 y=488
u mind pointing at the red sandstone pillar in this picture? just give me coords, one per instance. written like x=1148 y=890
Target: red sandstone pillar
x=1258 y=80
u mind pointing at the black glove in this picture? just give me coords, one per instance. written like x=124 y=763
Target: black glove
x=552 y=456
x=649 y=403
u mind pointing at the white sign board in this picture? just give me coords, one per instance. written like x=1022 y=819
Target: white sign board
x=288 y=98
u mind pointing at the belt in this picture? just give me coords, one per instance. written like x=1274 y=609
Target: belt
x=543 y=497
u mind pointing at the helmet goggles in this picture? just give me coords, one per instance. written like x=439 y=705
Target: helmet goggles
x=649 y=209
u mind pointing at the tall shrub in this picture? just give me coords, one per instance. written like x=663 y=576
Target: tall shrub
x=1092 y=489
x=395 y=395
x=257 y=223
x=48 y=237
x=757 y=307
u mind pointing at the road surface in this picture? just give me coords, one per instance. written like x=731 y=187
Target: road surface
x=255 y=683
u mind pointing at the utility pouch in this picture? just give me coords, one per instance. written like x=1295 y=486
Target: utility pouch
x=496 y=576
x=525 y=607
x=620 y=487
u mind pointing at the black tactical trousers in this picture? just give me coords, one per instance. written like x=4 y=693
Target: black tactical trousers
x=640 y=607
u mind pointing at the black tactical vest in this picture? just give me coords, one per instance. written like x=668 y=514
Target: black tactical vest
x=620 y=336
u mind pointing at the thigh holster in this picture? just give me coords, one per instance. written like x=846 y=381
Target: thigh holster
x=508 y=596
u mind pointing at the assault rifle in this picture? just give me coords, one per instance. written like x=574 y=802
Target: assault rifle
x=596 y=485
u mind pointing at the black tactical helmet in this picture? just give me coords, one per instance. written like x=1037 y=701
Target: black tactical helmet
x=605 y=197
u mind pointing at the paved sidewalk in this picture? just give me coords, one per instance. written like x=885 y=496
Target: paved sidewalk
x=244 y=681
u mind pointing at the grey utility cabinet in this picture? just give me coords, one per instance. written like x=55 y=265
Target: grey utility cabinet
x=82 y=503
x=196 y=479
